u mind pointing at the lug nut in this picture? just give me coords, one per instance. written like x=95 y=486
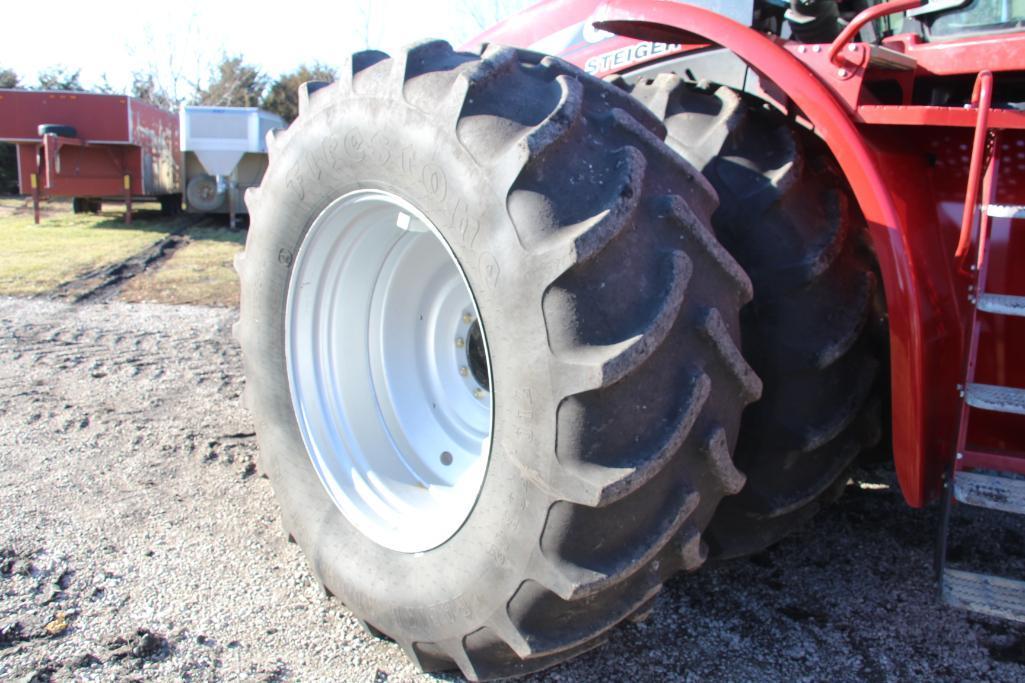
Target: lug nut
x=463 y=372
x=460 y=343
x=467 y=318
x=478 y=393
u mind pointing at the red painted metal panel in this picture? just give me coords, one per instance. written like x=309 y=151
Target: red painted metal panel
x=968 y=55
x=115 y=136
x=155 y=132
x=900 y=115
x=866 y=16
x=988 y=460
x=564 y=28
x=94 y=117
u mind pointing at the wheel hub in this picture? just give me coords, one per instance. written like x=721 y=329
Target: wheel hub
x=388 y=371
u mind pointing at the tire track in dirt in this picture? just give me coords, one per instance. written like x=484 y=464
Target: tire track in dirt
x=103 y=283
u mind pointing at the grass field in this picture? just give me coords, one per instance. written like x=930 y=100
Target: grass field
x=36 y=259
x=200 y=272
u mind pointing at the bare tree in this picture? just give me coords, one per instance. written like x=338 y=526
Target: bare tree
x=172 y=68
x=105 y=86
x=364 y=21
x=487 y=13
x=146 y=87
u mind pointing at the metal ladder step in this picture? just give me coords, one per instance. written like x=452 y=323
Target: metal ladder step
x=996 y=398
x=990 y=491
x=992 y=595
x=1002 y=304
x=1005 y=211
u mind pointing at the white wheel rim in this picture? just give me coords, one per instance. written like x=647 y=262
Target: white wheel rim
x=377 y=344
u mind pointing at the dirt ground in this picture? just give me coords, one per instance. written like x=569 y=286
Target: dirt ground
x=138 y=541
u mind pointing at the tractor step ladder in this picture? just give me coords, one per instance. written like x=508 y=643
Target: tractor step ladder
x=988 y=479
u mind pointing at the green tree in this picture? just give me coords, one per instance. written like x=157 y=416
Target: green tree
x=234 y=84
x=59 y=78
x=8 y=79
x=283 y=96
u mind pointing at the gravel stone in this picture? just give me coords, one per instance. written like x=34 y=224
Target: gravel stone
x=130 y=507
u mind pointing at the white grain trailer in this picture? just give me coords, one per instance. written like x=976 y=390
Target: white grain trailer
x=224 y=151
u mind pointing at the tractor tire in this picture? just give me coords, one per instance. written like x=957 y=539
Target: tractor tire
x=607 y=351
x=787 y=216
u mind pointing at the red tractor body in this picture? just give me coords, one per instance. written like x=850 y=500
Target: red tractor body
x=910 y=163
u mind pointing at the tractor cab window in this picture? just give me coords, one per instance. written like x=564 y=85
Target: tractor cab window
x=979 y=16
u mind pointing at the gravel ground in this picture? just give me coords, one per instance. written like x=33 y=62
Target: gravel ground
x=137 y=540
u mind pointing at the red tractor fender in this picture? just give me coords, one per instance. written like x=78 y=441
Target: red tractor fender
x=679 y=22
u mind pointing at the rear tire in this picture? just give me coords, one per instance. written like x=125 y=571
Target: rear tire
x=611 y=319
x=789 y=219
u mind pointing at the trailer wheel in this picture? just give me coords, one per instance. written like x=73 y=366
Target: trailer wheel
x=204 y=193
x=86 y=205
x=787 y=216
x=485 y=322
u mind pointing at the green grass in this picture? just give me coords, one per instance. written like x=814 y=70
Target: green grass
x=36 y=259
x=200 y=272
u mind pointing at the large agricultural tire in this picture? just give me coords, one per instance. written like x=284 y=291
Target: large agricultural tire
x=609 y=343
x=787 y=216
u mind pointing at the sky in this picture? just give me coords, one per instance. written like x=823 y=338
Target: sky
x=113 y=38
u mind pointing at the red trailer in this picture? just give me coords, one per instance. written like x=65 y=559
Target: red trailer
x=91 y=146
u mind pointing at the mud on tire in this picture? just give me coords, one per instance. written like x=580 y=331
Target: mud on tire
x=611 y=314
x=788 y=218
